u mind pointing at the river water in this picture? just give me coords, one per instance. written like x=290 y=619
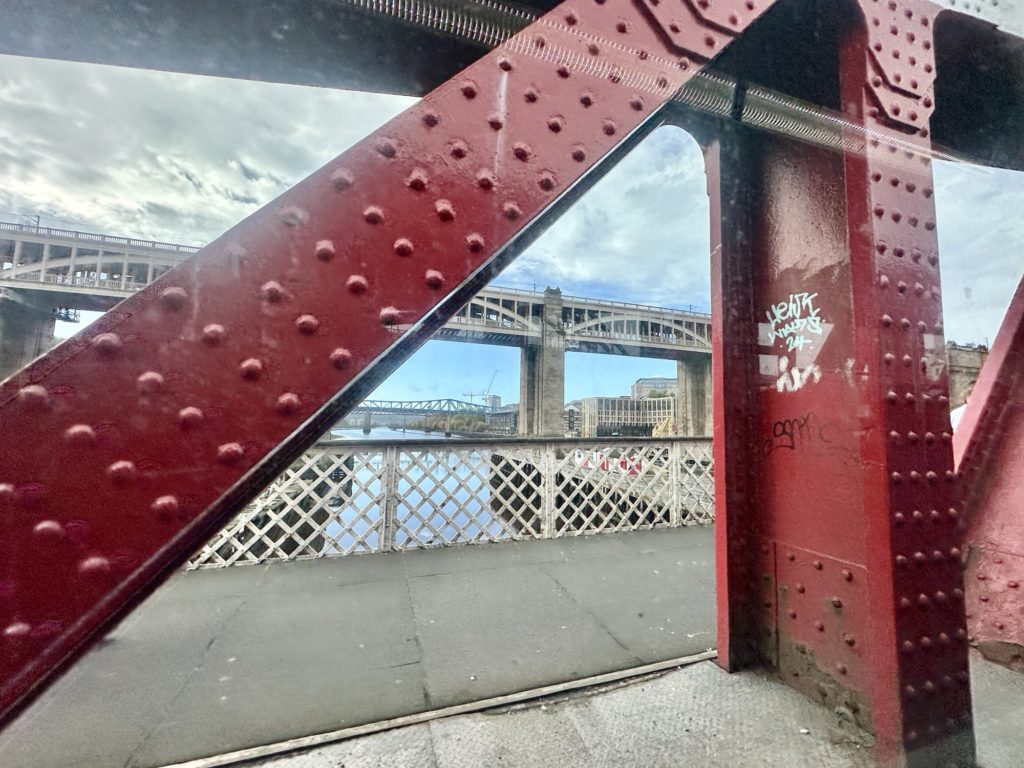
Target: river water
x=441 y=498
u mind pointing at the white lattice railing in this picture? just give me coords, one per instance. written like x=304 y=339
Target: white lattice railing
x=345 y=498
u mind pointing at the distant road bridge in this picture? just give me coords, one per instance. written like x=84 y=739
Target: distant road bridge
x=420 y=407
x=44 y=269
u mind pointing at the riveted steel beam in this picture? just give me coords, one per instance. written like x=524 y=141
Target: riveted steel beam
x=989 y=444
x=129 y=444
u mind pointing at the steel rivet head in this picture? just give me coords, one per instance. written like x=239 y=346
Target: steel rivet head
x=389 y=316
x=904 y=603
x=80 y=435
x=292 y=216
x=800 y=588
x=6 y=493
x=819 y=626
x=33 y=396
x=512 y=211
x=403 y=247
x=586 y=99
x=94 y=566
x=496 y=122
x=307 y=324
x=907 y=647
x=837 y=602
x=190 y=417
x=121 y=471
x=521 y=151
x=469 y=89
x=593 y=49
x=504 y=64
x=546 y=181
x=901 y=560
x=107 y=343
x=341 y=179
x=251 y=369
x=531 y=95
x=173 y=298
x=229 y=453
x=433 y=279
x=555 y=124
x=841 y=668
x=849 y=639
x=149 y=383
x=417 y=180
x=373 y=215
x=445 y=210
x=431 y=118
x=485 y=179
x=272 y=292
x=357 y=284
x=636 y=103
x=387 y=148
x=165 y=506
x=910 y=692
x=213 y=334
x=954 y=553
x=609 y=127
x=49 y=530
x=459 y=149
x=563 y=71
x=340 y=357
x=579 y=154
x=287 y=404
x=475 y=242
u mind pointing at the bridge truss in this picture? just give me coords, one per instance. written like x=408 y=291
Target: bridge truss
x=824 y=572
x=420 y=407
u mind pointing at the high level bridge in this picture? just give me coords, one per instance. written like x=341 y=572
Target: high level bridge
x=856 y=560
x=44 y=269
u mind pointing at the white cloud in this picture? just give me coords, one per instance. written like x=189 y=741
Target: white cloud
x=161 y=155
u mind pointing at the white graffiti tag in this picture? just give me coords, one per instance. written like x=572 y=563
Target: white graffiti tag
x=792 y=379
x=789 y=320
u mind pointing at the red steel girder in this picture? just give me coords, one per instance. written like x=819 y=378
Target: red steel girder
x=989 y=445
x=129 y=444
x=835 y=493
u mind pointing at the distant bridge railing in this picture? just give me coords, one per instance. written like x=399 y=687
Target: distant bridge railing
x=344 y=498
x=420 y=407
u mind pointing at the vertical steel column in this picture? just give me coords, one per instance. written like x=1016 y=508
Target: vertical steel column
x=838 y=560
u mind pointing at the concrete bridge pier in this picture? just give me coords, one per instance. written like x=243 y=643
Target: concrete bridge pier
x=542 y=374
x=26 y=331
x=693 y=396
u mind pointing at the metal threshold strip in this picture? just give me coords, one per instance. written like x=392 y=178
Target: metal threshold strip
x=319 y=739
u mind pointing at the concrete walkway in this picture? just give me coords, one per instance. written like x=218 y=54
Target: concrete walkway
x=232 y=658
x=697 y=716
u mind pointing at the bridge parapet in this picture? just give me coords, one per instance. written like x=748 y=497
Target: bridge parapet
x=343 y=498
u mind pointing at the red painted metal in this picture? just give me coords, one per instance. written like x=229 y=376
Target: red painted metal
x=127 y=445
x=835 y=490
x=989 y=445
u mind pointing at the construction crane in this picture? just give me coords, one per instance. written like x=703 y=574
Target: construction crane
x=483 y=395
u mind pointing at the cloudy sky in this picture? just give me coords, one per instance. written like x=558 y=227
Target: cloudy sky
x=180 y=158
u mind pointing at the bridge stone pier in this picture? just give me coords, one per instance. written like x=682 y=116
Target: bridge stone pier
x=26 y=330
x=542 y=373
x=693 y=395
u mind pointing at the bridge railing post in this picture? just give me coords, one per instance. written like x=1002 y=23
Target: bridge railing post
x=675 y=513
x=389 y=491
x=548 y=482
